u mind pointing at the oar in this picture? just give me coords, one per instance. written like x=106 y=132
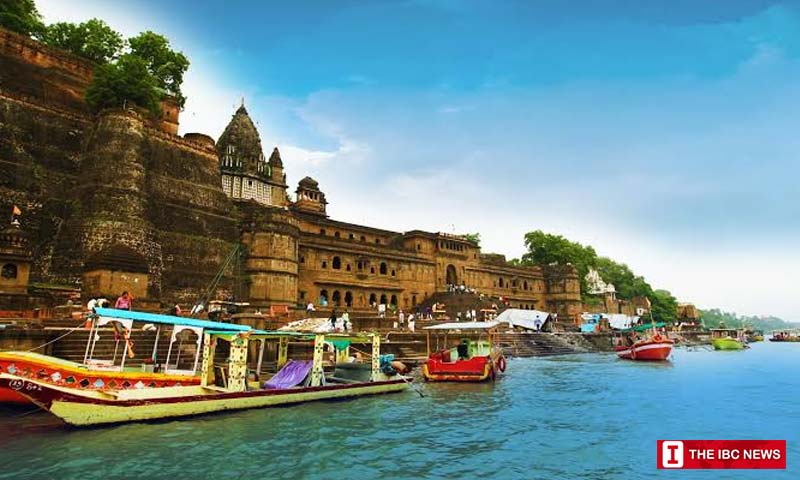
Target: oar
x=413 y=387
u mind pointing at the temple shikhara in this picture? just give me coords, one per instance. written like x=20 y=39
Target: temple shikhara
x=118 y=201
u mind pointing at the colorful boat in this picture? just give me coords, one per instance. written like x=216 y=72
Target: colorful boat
x=728 y=339
x=104 y=373
x=785 y=336
x=656 y=346
x=223 y=387
x=469 y=361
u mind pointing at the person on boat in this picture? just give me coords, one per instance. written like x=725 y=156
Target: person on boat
x=124 y=301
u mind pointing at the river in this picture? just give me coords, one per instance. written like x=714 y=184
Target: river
x=583 y=416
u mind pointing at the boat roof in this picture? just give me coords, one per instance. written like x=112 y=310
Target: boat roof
x=169 y=319
x=264 y=334
x=645 y=327
x=463 y=326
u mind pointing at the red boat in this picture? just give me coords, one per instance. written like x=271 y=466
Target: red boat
x=653 y=348
x=470 y=361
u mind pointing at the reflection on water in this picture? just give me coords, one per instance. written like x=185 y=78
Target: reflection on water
x=583 y=416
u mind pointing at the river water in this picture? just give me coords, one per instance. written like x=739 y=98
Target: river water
x=584 y=416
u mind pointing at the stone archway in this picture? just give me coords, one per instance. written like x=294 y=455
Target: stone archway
x=451 y=275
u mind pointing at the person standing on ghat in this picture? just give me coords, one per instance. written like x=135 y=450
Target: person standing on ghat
x=401 y=319
x=124 y=301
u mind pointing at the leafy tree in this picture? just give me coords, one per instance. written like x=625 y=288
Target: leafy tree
x=164 y=64
x=21 y=16
x=711 y=319
x=92 y=39
x=474 y=238
x=545 y=248
x=128 y=81
x=664 y=306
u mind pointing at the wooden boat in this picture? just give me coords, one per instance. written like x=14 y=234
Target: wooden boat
x=112 y=374
x=785 y=336
x=470 y=361
x=654 y=347
x=728 y=339
x=222 y=387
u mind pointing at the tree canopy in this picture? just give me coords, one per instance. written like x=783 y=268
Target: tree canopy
x=21 y=16
x=127 y=81
x=92 y=39
x=711 y=319
x=474 y=238
x=544 y=249
x=164 y=64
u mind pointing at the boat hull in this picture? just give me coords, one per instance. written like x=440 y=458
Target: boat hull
x=647 y=352
x=64 y=373
x=727 y=344
x=84 y=408
x=475 y=369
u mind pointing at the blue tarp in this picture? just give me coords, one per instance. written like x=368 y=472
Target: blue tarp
x=168 y=319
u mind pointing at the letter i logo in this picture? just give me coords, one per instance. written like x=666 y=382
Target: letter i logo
x=672 y=454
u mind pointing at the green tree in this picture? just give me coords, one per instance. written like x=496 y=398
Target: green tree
x=474 y=238
x=164 y=64
x=664 y=306
x=627 y=284
x=544 y=249
x=21 y=16
x=128 y=81
x=92 y=39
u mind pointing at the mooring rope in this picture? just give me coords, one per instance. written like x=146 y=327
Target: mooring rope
x=79 y=326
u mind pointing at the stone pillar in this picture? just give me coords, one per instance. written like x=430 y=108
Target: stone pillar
x=270 y=237
x=112 y=193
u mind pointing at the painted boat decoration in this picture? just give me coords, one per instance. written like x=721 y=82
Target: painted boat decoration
x=656 y=346
x=222 y=387
x=469 y=361
x=111 y=373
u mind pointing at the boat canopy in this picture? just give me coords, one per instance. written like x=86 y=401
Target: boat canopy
x=645 y=327
x=168 y=319
x=529 y=319
x=463 y=326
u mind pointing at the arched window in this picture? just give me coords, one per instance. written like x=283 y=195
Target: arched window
x=323 y=298
x=9 y=271
x=324 y=264
x=383 y=299
x=500 y=282
x=348 y=267
x=525 y=285
x=322 y=231
x=336 y=234
x=377 y=240
x=337 y=263
x=348 y=299
x=372 y=270
x=363 y=238
x=383 y=268
x=393 y=301
x=372 y=299
x=393 y=273
x=337 y=298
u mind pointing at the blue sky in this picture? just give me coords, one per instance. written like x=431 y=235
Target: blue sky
x=662 y=133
